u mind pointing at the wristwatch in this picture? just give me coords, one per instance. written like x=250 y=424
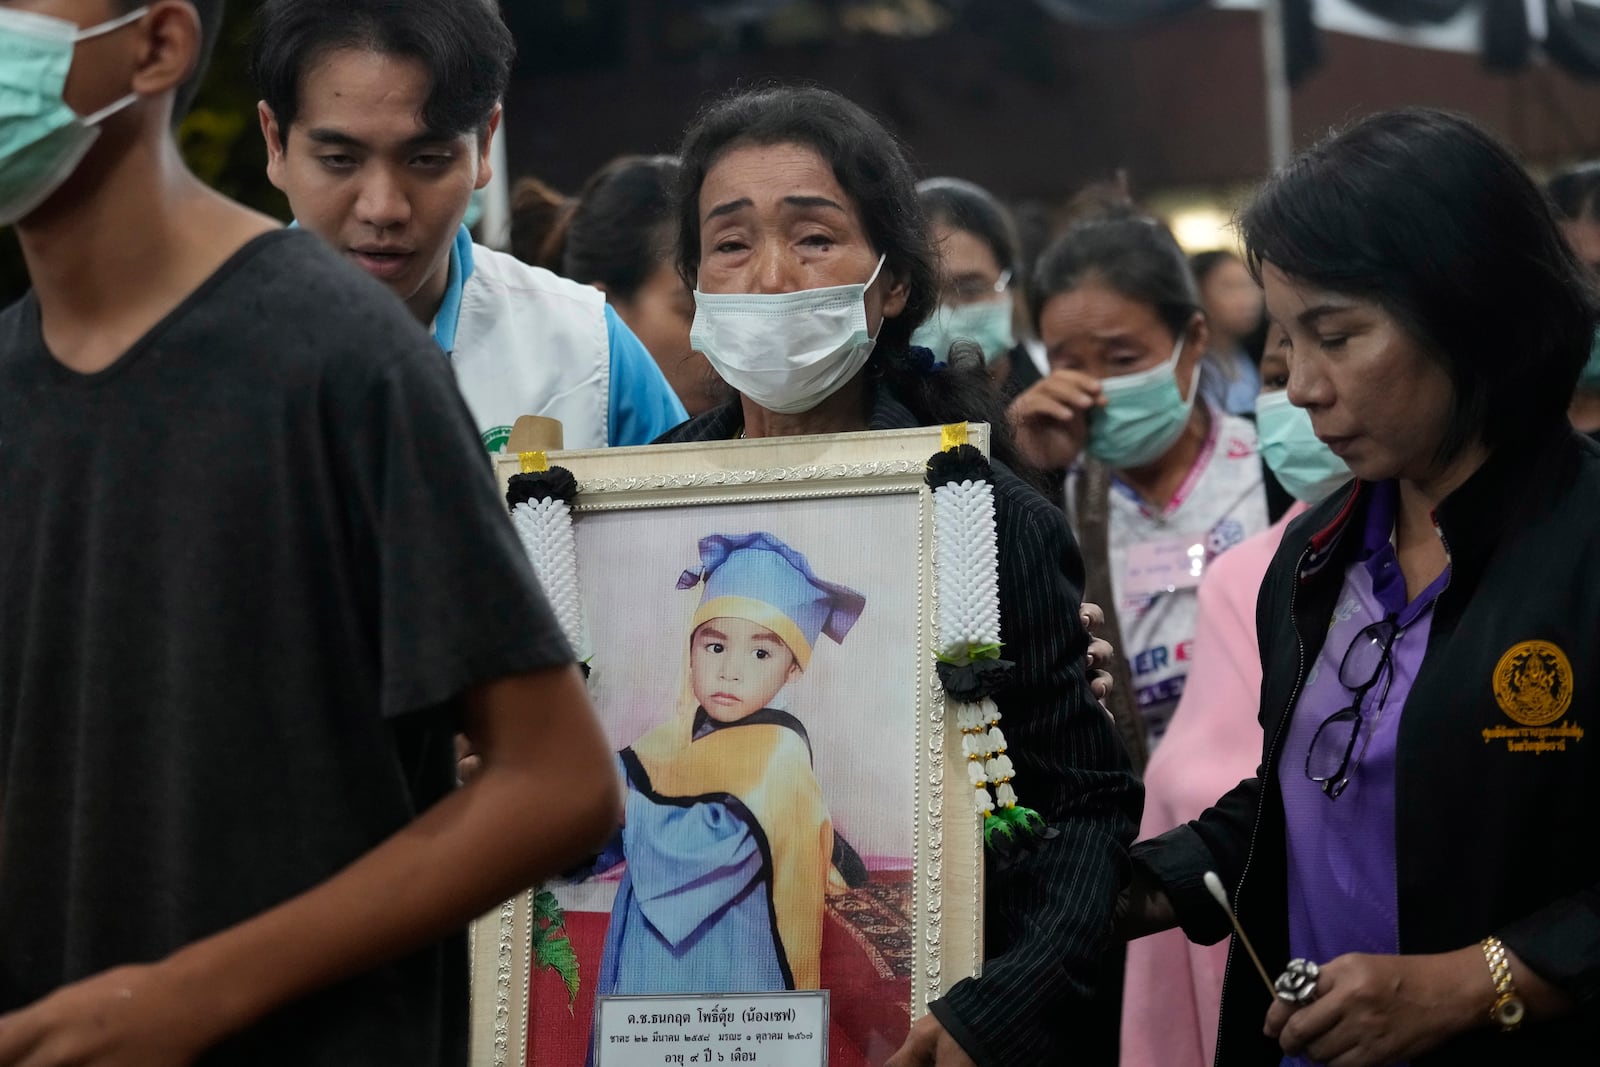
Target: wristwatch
x=1508 y=1009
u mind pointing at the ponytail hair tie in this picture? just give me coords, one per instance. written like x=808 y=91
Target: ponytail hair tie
x=922 y=360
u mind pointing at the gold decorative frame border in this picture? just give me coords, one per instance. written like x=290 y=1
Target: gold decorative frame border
x=947 y=893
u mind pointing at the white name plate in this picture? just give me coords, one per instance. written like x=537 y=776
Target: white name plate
x=762 y=1029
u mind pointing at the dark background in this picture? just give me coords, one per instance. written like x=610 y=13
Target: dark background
x=1012 y=94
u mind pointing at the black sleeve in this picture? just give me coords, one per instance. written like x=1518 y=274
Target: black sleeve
x=1217 y=841
x=1048 y=915
x=1559 y=943
x=455 y=599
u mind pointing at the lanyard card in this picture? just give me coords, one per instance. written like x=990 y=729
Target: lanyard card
x=1165 y=565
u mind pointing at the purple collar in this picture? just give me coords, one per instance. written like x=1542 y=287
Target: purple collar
x=1377 y=553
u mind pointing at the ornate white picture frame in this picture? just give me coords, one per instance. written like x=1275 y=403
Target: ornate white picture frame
x=902 y=918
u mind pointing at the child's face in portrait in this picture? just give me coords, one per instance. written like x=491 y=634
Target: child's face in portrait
x=736 y=667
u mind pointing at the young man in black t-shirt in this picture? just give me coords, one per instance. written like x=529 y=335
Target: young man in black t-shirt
x=253 y=576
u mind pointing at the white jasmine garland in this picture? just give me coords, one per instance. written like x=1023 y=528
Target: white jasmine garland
x=545 y=529
x=983 y=802
x=968 y=561
x=970 y=717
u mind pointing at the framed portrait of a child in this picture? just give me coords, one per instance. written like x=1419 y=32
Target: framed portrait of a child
x=759 y=621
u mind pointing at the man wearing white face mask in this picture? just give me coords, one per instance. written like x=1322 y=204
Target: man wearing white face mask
x=234 y=647
x=1161 y=483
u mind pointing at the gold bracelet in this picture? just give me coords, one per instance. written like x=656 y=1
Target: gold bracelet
x=1508 y=1010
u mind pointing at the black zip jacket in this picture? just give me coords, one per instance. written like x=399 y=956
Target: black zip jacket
x=1497 y=813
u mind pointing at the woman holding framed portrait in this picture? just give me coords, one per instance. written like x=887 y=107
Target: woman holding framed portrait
x=801 y=232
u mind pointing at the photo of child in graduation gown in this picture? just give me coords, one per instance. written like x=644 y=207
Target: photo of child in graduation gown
x=763 y=708
x=727 y=840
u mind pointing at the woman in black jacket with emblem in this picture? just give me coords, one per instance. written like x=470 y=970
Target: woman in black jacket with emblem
x=1421 y=828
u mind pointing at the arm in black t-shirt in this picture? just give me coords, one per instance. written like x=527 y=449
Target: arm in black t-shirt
x=435 y=875
x=366 y=484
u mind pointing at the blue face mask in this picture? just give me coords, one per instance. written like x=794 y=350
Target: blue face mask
x=986 y=324
x=1145 y=414
x=1589 y=377
x=1304 y=466
x=42 y=140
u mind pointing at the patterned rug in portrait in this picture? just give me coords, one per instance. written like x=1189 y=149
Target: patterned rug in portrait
x=877 y=917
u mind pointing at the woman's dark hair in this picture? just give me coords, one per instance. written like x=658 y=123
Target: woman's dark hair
x=539 y=217
x=1576 y=191
x=1130 y=254
x=463 y=44
x=621 y=230
x=874 y=172
x=1201 y=264
x=961 y=205
x=1432 y=219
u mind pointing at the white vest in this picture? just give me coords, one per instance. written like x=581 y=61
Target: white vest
x=531 y=343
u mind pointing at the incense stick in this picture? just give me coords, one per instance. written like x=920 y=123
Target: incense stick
x=1214 y=884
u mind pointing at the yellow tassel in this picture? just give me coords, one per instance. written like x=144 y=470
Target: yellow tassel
x=953 y=435
x=533 y=462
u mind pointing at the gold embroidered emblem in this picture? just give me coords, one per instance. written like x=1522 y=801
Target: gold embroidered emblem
x=1533 y=683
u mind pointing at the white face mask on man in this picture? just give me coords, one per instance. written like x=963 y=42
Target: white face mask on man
x=787 y=352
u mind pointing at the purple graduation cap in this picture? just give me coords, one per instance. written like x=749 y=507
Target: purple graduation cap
x=757 y=577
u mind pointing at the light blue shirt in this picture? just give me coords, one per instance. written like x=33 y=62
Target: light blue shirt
x=642 y=406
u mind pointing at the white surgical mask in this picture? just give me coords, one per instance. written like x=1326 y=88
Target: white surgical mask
x=42 y=140
x=787 y=352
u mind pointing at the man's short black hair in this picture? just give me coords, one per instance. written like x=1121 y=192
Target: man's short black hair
x=463 y=44
x=1436 y=221
x=210 y=12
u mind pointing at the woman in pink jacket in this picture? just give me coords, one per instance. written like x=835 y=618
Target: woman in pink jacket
x=1173 y=988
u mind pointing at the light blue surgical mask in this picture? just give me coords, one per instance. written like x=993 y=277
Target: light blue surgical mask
x=42 y=140
x=1145 y=414
x=1589 y=377
x=1304 y=466
x=986 y=324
